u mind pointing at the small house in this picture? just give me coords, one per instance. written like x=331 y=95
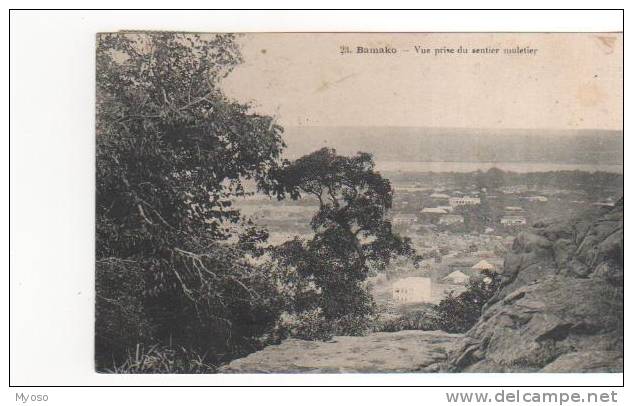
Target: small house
x=513 y=220
x=514 y=209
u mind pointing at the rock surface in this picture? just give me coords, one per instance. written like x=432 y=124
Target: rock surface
x=560 y=308
x=403 y=351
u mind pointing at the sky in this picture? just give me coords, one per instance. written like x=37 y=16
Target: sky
x=573 y=81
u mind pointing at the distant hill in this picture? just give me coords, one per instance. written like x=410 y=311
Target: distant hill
x=462 y=145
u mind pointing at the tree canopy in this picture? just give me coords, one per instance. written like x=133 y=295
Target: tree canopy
x=352 y=231
x=171 y=148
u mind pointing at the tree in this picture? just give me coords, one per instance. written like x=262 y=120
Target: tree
x=171 y=153
x=492 y=179
x=351 y=230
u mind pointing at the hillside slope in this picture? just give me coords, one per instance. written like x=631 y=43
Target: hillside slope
x=561 y=305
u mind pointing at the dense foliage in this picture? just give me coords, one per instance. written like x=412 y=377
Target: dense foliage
x=174 y=259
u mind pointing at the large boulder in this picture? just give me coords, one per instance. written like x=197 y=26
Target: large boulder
x=560 y=308
x=403 y=351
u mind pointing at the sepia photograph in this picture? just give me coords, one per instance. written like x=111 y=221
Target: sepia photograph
x=359 y=203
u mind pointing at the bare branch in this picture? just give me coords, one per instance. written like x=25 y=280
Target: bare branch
x=142 y=212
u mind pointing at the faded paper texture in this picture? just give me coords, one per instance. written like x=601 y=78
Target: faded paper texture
x=359 y=202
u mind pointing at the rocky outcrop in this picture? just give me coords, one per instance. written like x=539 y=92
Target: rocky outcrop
x=403 y=351
x=560 y=308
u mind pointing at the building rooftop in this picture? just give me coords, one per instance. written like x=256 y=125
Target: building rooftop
x=456 y=276
x=434 y=210
x=513 y=217
x=440 y=196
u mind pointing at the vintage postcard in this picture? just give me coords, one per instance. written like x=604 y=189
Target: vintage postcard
x=359 y=202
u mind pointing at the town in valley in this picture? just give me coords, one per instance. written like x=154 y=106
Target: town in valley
x=461 y=225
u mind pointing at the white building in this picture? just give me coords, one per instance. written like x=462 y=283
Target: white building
x=440 y=196
x=539 y=199
x=603 y=204
x=464 y=201
x=513 y=220
x=412 y=290
x=433 y=210
x=514 y=209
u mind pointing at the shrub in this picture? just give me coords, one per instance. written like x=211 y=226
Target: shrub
x=457 y=314
x=308 y=325
x=120 y=314
x=218 y=303
x=414 y=320
x=353 y=324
